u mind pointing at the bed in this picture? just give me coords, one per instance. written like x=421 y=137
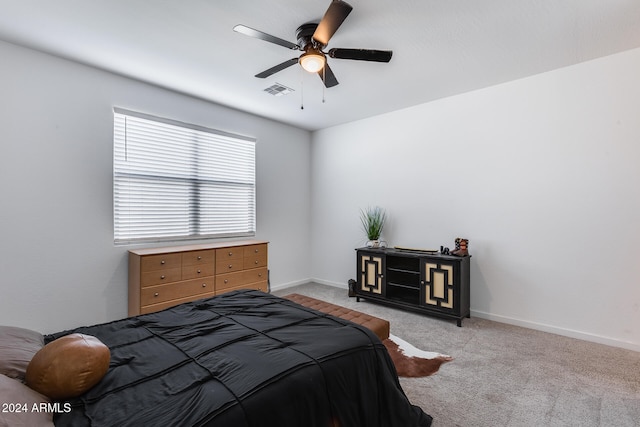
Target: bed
x=245 y=358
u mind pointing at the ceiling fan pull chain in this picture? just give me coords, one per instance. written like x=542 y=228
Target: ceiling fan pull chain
x=301 y=89
x=324 y=80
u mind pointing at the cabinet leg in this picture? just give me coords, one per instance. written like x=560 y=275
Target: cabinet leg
x=357 y=298
x=459 y=323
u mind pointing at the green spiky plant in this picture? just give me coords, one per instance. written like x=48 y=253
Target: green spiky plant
x=373 y=219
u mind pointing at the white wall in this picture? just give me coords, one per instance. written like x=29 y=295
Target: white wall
x=540 y=175
x=59 y=267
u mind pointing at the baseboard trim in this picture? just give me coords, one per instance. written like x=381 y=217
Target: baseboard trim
x=311 y=280
x=556 y=330
x=329 y=283
x=289 y=284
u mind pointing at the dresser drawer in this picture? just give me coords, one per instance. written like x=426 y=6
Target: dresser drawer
x=158 y=277
x=261 y=286
x=225 y=265
x=240 y=279
x=229 y=254
x=199 y=257
x=194 y=271
x=254 y=250
x=255 y=261
x=161 y=293
x=161 y=306
x=160 y=262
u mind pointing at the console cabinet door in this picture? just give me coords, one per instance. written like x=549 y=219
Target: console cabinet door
x=440 y=285
x=371 y=273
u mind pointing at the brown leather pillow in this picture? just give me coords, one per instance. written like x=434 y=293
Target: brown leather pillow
x=68 y=366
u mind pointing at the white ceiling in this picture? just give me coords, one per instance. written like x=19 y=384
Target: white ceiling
x=440 y=48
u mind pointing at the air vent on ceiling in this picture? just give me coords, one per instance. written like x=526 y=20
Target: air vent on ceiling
x=278 y=90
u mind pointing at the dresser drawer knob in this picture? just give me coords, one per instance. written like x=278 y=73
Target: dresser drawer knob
x=156 y=294
x=199 y=272
x=256 y=251
x=259 y=274
x=230 y=253
x=226 y=281
x=204 y=285
x=199 y=258
x=162 y=262
x=257 y=261
x=230 y=265
x=162 y=277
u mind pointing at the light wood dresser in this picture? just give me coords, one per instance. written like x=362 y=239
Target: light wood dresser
x=163 y=277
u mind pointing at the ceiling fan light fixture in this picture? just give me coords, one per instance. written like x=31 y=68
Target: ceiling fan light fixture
x=312 y=38
x=312 y=61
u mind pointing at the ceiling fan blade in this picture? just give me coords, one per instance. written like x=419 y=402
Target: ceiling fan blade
x=327 y=76
x=362 y=54
x=334 y=16
x=247 y=31
x=286 y=64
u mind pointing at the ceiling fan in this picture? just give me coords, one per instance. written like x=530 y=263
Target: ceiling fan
x=312 y=38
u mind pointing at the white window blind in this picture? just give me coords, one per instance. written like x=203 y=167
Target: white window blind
x=176 y=181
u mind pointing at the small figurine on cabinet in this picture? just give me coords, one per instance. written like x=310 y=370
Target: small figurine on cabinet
x=461 y=247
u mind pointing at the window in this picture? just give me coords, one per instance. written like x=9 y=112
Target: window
x=174 y=181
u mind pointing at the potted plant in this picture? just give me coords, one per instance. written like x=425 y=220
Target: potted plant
x=373 y=219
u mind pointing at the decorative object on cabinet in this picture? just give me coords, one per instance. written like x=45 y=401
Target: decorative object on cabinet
x=373 y=219
x=430 y=283
x=163 y=277
x=461 y=247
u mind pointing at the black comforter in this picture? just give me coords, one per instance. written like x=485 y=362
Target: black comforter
x=245 y=358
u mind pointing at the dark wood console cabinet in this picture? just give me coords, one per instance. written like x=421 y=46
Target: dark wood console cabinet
x=430 y=283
